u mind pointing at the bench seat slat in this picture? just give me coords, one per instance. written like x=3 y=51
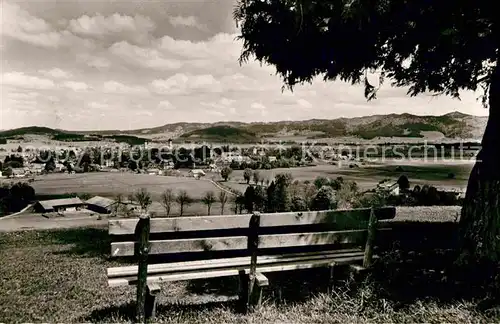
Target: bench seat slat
x=228 y=262
x=345 y=219
x=240 y=242
x=234 y=271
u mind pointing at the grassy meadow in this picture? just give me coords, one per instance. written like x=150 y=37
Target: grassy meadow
x=60 y=276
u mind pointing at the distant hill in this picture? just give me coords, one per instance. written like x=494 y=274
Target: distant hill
x=29 y=130
x=454 y=125
x=221 y=134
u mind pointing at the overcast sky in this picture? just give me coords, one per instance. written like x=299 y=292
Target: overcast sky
x=127 y=64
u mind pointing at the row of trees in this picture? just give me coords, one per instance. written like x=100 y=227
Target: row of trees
x=183 y=200
x=284 y=194
x=424 y=196
x=170 y=199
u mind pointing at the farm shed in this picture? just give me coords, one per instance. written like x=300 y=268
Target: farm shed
x=58 y=205
x=100 y=204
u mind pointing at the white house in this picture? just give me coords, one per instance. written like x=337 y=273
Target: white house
x=231 y=156
x=153 y=171
x=213 y=168
x=36 y=168
x=59 y=167
x=109 y=163
x=18 y=172
x=197 y=173
x=391 y=187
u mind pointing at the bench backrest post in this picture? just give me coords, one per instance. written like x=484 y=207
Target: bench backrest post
x=253 y=245
x=142 y=232
x=370 y=240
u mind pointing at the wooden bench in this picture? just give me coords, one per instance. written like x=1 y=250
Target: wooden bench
x=186 y=248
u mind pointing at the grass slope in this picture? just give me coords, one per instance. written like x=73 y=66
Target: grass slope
x=60 y=276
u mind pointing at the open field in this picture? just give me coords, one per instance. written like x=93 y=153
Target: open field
x=367 y=176
x=60 y=276
x=113 y=183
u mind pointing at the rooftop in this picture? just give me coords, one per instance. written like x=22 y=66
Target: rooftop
x=49 y=204
x=100 y=201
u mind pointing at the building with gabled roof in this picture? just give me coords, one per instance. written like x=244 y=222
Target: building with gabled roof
x=59 y=205
x=100 y=204
x=197 y=173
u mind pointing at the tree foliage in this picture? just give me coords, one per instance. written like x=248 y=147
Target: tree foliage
x=256 y=177
x=225 y=173
x=143 y=198
x=223 y=201
x=247 y=175
x=184 y=200
x=167 y=199
x=403 y=182
x=438 y=46
x=249 y=199
x=324 y=199
x=208 y=199
x=15 y=197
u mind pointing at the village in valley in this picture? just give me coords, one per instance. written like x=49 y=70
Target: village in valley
x=83 y=179
x=249 y=161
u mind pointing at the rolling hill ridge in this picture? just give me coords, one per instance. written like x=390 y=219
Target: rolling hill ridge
x=453 y=125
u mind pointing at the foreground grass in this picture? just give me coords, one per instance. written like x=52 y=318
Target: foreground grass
x=60 y=276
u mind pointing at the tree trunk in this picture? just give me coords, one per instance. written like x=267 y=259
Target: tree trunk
x=480 y=219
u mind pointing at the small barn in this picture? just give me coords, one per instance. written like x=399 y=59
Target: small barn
x=100 y=204
x=59 y=205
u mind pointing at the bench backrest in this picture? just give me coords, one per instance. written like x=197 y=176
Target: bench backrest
x=221 y=235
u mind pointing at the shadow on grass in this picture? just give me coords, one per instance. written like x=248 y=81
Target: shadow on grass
x=407 y=276
x=289 y=286
x=88 y=242
x=223 y=286
x=413 y=267
x=126 y=312
x=400 y=277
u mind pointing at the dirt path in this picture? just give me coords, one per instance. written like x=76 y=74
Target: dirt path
x=222 y=188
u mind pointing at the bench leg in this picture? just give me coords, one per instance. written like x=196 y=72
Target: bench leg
x=331 y=273
x=249 y=300
x=151 y=294
x=243 y=294
x=261 y=281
